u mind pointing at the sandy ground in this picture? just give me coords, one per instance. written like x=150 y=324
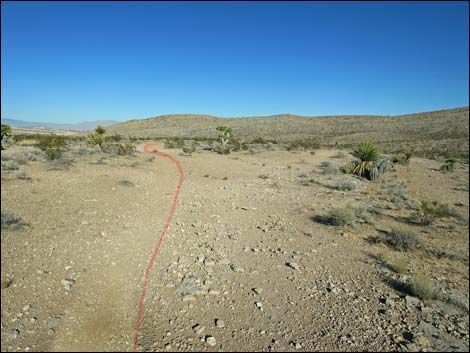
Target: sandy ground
x=244 y=265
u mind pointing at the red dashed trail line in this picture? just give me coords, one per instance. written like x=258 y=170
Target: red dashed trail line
x=147 y=149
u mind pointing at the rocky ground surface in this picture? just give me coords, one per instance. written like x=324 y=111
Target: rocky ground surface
x=245 y=264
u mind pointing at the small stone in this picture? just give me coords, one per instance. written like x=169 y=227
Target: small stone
x=210 y=340
x=219 y=323
x=67 y=283
x=257 y=290
x=293 y=265
x=214 y=292
x=14 y=333
x=188 y=298
x=236 y=268
x=53 y=322
x=259 y=304
x=198 y=329
x=168 y=346
x=422 y=341
x=26 y=307
x=209 y=262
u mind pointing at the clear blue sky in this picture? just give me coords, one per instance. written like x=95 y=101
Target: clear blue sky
x=77 y=61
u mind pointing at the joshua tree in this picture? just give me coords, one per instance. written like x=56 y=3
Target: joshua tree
x=225 y=134
x=97 y=138
x=100 y=130
x=6 y=131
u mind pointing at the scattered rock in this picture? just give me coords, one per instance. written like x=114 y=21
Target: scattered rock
x=198 y=329
x=292 y=265
x=68 y=282
x=210 y=340
x=219 y=323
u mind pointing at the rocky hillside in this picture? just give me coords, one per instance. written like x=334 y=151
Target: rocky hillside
x=432 y=133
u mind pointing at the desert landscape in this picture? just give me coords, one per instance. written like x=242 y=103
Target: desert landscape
x=279 y=241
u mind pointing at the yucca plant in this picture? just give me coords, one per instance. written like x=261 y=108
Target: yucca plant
x=368 y=153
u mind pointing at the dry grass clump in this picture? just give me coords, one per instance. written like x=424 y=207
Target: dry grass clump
x=422 y=287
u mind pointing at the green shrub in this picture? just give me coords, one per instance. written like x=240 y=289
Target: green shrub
x=53 y=153
x=46 y=142
x=449 y=165
x=120 y=149
x=435 y=209
x=113 y=138
x=346 y=216
x=399 y=266
x=5 y=132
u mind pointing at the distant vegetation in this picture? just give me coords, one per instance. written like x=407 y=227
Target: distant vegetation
x=6 y=131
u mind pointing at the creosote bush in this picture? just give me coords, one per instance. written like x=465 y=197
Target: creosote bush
x=400 y=240
x=346 y=216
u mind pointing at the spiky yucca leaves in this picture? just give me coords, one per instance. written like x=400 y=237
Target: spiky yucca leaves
x=368 y=153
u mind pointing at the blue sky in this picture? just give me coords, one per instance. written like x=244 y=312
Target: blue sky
x=77 y=61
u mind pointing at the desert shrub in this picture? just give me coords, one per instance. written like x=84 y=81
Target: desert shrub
x=151 y=158
x=52 y=145
x=422 y=287
x=9 y=165
x=189 y=149
x=113 y=138
x=51 y=141
x=120 y=149
x=435 y=209
x=305 y=144
x=33 y=155
x=53 y=153
x=346 y=216
x=5 y=132
x=344 y=185
x=400 y=241
x=350 y=167
x=402 y=159
x=60 y=163
x=420 y=219
x=22 y=175
x=340 y=154
x=342 y=217
x=328 y=167
x=9 y=220
x=449 y=164
x=236 y=144
x=263 y=176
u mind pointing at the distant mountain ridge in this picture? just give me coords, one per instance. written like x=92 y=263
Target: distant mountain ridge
x=430 y=133
x=83 y=126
